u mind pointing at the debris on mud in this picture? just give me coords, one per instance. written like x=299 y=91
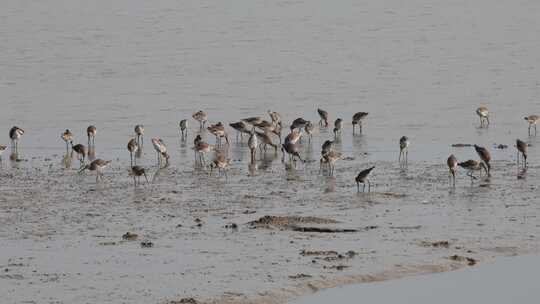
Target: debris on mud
x=129 y=236
x=107 y=243
x=328 y=255
x=336 y=267
x=268 y=221
x=436 y=244
x=233 y=226
x=183 y=301
x=317 y=252
x=501 y=146
x=147 y=244
x=299 y=276
x=461 y=145
x=322 y=230
x=458 y=258
x=406 y=227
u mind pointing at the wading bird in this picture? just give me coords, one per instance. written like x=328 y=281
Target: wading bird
x=67 y=137
x=200 y=148
x=294 y=136
x=484 y=156
x=404 y=149
x=221 y=163
x=276 y=118
x=324 y=117
x=293 y=150
x=253 y=120
x=265 y=141
x=362 y=177
x=298 y=123
x=326 y=147
x=253 y=143
x=201 y=117
x=472 y=165
x=183 y=125
x=338 y=126
x=161 y=150
x=309 y=128
x=132 y=147
x=15 y=134
x=357 y=120
x=521 y=148
x=241 y=128
x=136 y=172
x=218 y=130
x=2 y=149
x=91 y=132
x=452 y=167
x=139 y=131
x=81 y=151
x=532 y=120
x=329 y=161
x=97 y=165
x=483 y=114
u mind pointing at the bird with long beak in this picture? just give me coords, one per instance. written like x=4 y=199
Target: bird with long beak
x=484 y=156
x=362 y=177
x=472 y=165
x=97 y=165
x=452 y=167
x=521 y=148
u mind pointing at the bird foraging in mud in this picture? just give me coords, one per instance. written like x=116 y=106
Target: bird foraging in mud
x=241 y=129
x=161 y=151
x=132 y=147
x=81 y=151
x=472 y=165
x=362 y=177
x=293 y=150
x=357 y=120
x=483 y=114
x=136 y=172
x=97 y=165
x=324 y=117
x=329 y=160
x=521 y=148
x=298 y=123
x=404 y=149
x=484 y=156
x=338 y=126
x=221 y=163
x=452 y=167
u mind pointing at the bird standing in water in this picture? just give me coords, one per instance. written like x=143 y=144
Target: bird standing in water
x=183 y=125
x=362 y=177
x=97 y=165
x=452 y=167
x=330 y=160
x=139 y=131
x=2 y=149
x=483 y=114
x=298 y=123
x=161 y=150
x=133 y=147
x=357 y=120
x=404 y=149
x=472 y=165
x=67 y=137
x=521 y=148
x=221 y=163
x=15 y=134
x=136 y=172
x=532 y=120
x=309 y=128
x=484 y=156
x=253 y=143
x=324 y=117
x=241 y=128
x=338 y=126
x=201 y=117
x=91 y=132
x=81 y=151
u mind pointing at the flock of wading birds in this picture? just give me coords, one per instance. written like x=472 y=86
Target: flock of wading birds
x=260 y=134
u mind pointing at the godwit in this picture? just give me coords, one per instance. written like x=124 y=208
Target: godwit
x=357 y=120
x=452 y=167
x=293 y=149
x=326 y=147
x=137 y=172
x=472 y=165
x=362 y=177
x=309 y=128
x=276 y=118
x=132 y=147
x=265 y=140
x=81 y=151
x=294 y=136
x=200 y=148
x=484 y=156
x=522 y=148
x=532 y=120
x=330 y=160
x=324 y=117
x=404 y=148
x=298 y=123
x=221 y=163
x=183 y=125
x=253 y=120
x=483 y=113
x=97 y=165
x=67 y=137
x=338 y=125
x=241 y=128
x=2 y=149
x=265 y=126
x=218 y=130
x=15 y=134
x=201 y=117
x=91 y=132
x=253 y=143
x=161 y=150
x=139 y=131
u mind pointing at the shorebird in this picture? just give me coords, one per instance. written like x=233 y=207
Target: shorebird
x=298 y=123
x=338 y=126
x=404 y=148
x=2 y=149
x=161 y=150
x=330 y=161
x=139 y=131
x=294 y=136
x=241 y=128
x=452 y=167
x=81 y=151
x=522 y=148
x=484 y=156
x=309 y=128
x=91 y=132
x=532 y=120
x=201 y=117
x=218 y=130
x=183 y=125
x=472 y=165
x=265 y=140
x=137 y=172
x=293 y=150
x=132 y=147
x=357 y=120
x=97 y=165
x=276 y=118
x=253 y=143
x=324 y=117
x=15 y=134
x=265 y=126
x=483 y=113
x=253 y=120
x=67 y=137
x=200 y=148
x=326 y=147
x=221 y=163
x=362 y=177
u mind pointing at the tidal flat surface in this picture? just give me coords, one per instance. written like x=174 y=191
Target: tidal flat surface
x=420 y=69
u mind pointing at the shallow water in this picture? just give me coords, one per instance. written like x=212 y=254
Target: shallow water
x=420 y=70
